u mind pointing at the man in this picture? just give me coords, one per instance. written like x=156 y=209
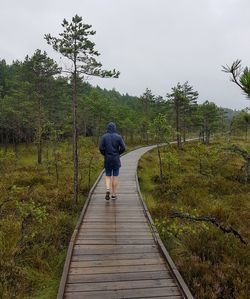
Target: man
x=111 y=147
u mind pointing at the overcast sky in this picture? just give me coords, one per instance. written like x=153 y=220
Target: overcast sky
x=153 y=43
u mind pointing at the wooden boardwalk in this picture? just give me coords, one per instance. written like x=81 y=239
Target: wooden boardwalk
x=115 y=251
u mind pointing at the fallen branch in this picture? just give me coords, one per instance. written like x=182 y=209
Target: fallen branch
x=226 y=230
x=246 y=156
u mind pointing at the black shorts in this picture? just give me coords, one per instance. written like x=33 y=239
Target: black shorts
x=112 y=171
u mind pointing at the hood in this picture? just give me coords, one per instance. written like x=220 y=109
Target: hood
x=111 y=127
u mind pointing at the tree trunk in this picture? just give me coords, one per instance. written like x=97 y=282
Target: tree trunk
x=75 y=136
x=178 y=136
x=6 y=140
x=160 y=162
x=2 y=136
x=39 y=134
x=16 y=147
x=54 y=150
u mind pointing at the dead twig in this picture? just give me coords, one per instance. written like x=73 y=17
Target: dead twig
x=227 y=230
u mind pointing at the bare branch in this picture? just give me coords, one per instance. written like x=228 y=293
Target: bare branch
x=226 y=230
x=235 y=70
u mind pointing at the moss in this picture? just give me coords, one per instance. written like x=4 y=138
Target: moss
x=38 y=217
x=214 y=264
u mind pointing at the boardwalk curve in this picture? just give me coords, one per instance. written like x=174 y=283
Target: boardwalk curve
x=115 y=250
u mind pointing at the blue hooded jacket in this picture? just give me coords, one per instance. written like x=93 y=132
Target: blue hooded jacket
x=111 y=147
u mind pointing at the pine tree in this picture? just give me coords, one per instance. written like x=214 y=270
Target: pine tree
x=74 y=43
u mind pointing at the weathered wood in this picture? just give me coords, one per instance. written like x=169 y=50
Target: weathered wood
x=115 y=254
x=165 y=292
x=109 y=249
x=114 y=242
x=113 y=236
x=115 y=226
x=117 y=262
x=120 y=285
x=120 y=269
x=126 y=276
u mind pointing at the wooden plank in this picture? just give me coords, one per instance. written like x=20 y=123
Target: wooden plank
x=115 y=214
x=116 y=256
x=120 y=191
x=115 y=238
x=109 y=249
x=166 y=292
x=102 y=218
x=112 y=230
x=110 y=210
x=85 y=278
x=120 y=203
x=130 y=222
x=121 y=196
x=120 y=269
x=80 y=241
x=114 y=225
x=117 y=263
x=120 y=285
x=114 y=234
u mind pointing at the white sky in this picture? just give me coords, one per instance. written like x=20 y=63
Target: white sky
x=153 y=43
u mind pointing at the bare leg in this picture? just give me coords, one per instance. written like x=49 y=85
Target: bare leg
x=107 y=182
x=114 y=184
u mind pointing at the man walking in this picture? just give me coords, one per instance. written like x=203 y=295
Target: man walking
x=111 y=147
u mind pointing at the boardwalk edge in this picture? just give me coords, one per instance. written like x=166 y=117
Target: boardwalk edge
x=183 y=286
x=64 y=276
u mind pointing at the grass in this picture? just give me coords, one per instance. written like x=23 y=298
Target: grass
x=38 y=216
x=202 y=181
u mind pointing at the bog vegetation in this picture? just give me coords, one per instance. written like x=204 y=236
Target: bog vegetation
x=200 y=203
x=44 y=182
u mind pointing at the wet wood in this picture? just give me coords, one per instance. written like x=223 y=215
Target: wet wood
x=114 y=242
x=120 y=269
x=165 y=292
x=126 y=276
x=115 y=254
x=117 y=262
x=120 y=285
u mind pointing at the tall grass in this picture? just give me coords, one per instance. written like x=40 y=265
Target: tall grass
x=38 y=215
x=202 y=181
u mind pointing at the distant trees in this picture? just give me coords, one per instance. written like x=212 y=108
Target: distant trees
x=39 y=71
x=162 y=132
x=241 y=123
x=146 y=100
x=209 y=115
x=182 y=98
x=74 y=43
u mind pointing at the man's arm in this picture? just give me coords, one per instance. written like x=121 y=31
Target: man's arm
x=102 y=146
x=121 y=146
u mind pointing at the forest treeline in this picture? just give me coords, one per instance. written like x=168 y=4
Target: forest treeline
x=36 y=104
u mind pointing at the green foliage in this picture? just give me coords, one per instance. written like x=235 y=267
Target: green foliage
x=211 y=118
x=74 y=43
x=183 y=100
x=37 y=218
x=161 y=129
x=214 y=264
x=7 y=161
x=240 y=76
